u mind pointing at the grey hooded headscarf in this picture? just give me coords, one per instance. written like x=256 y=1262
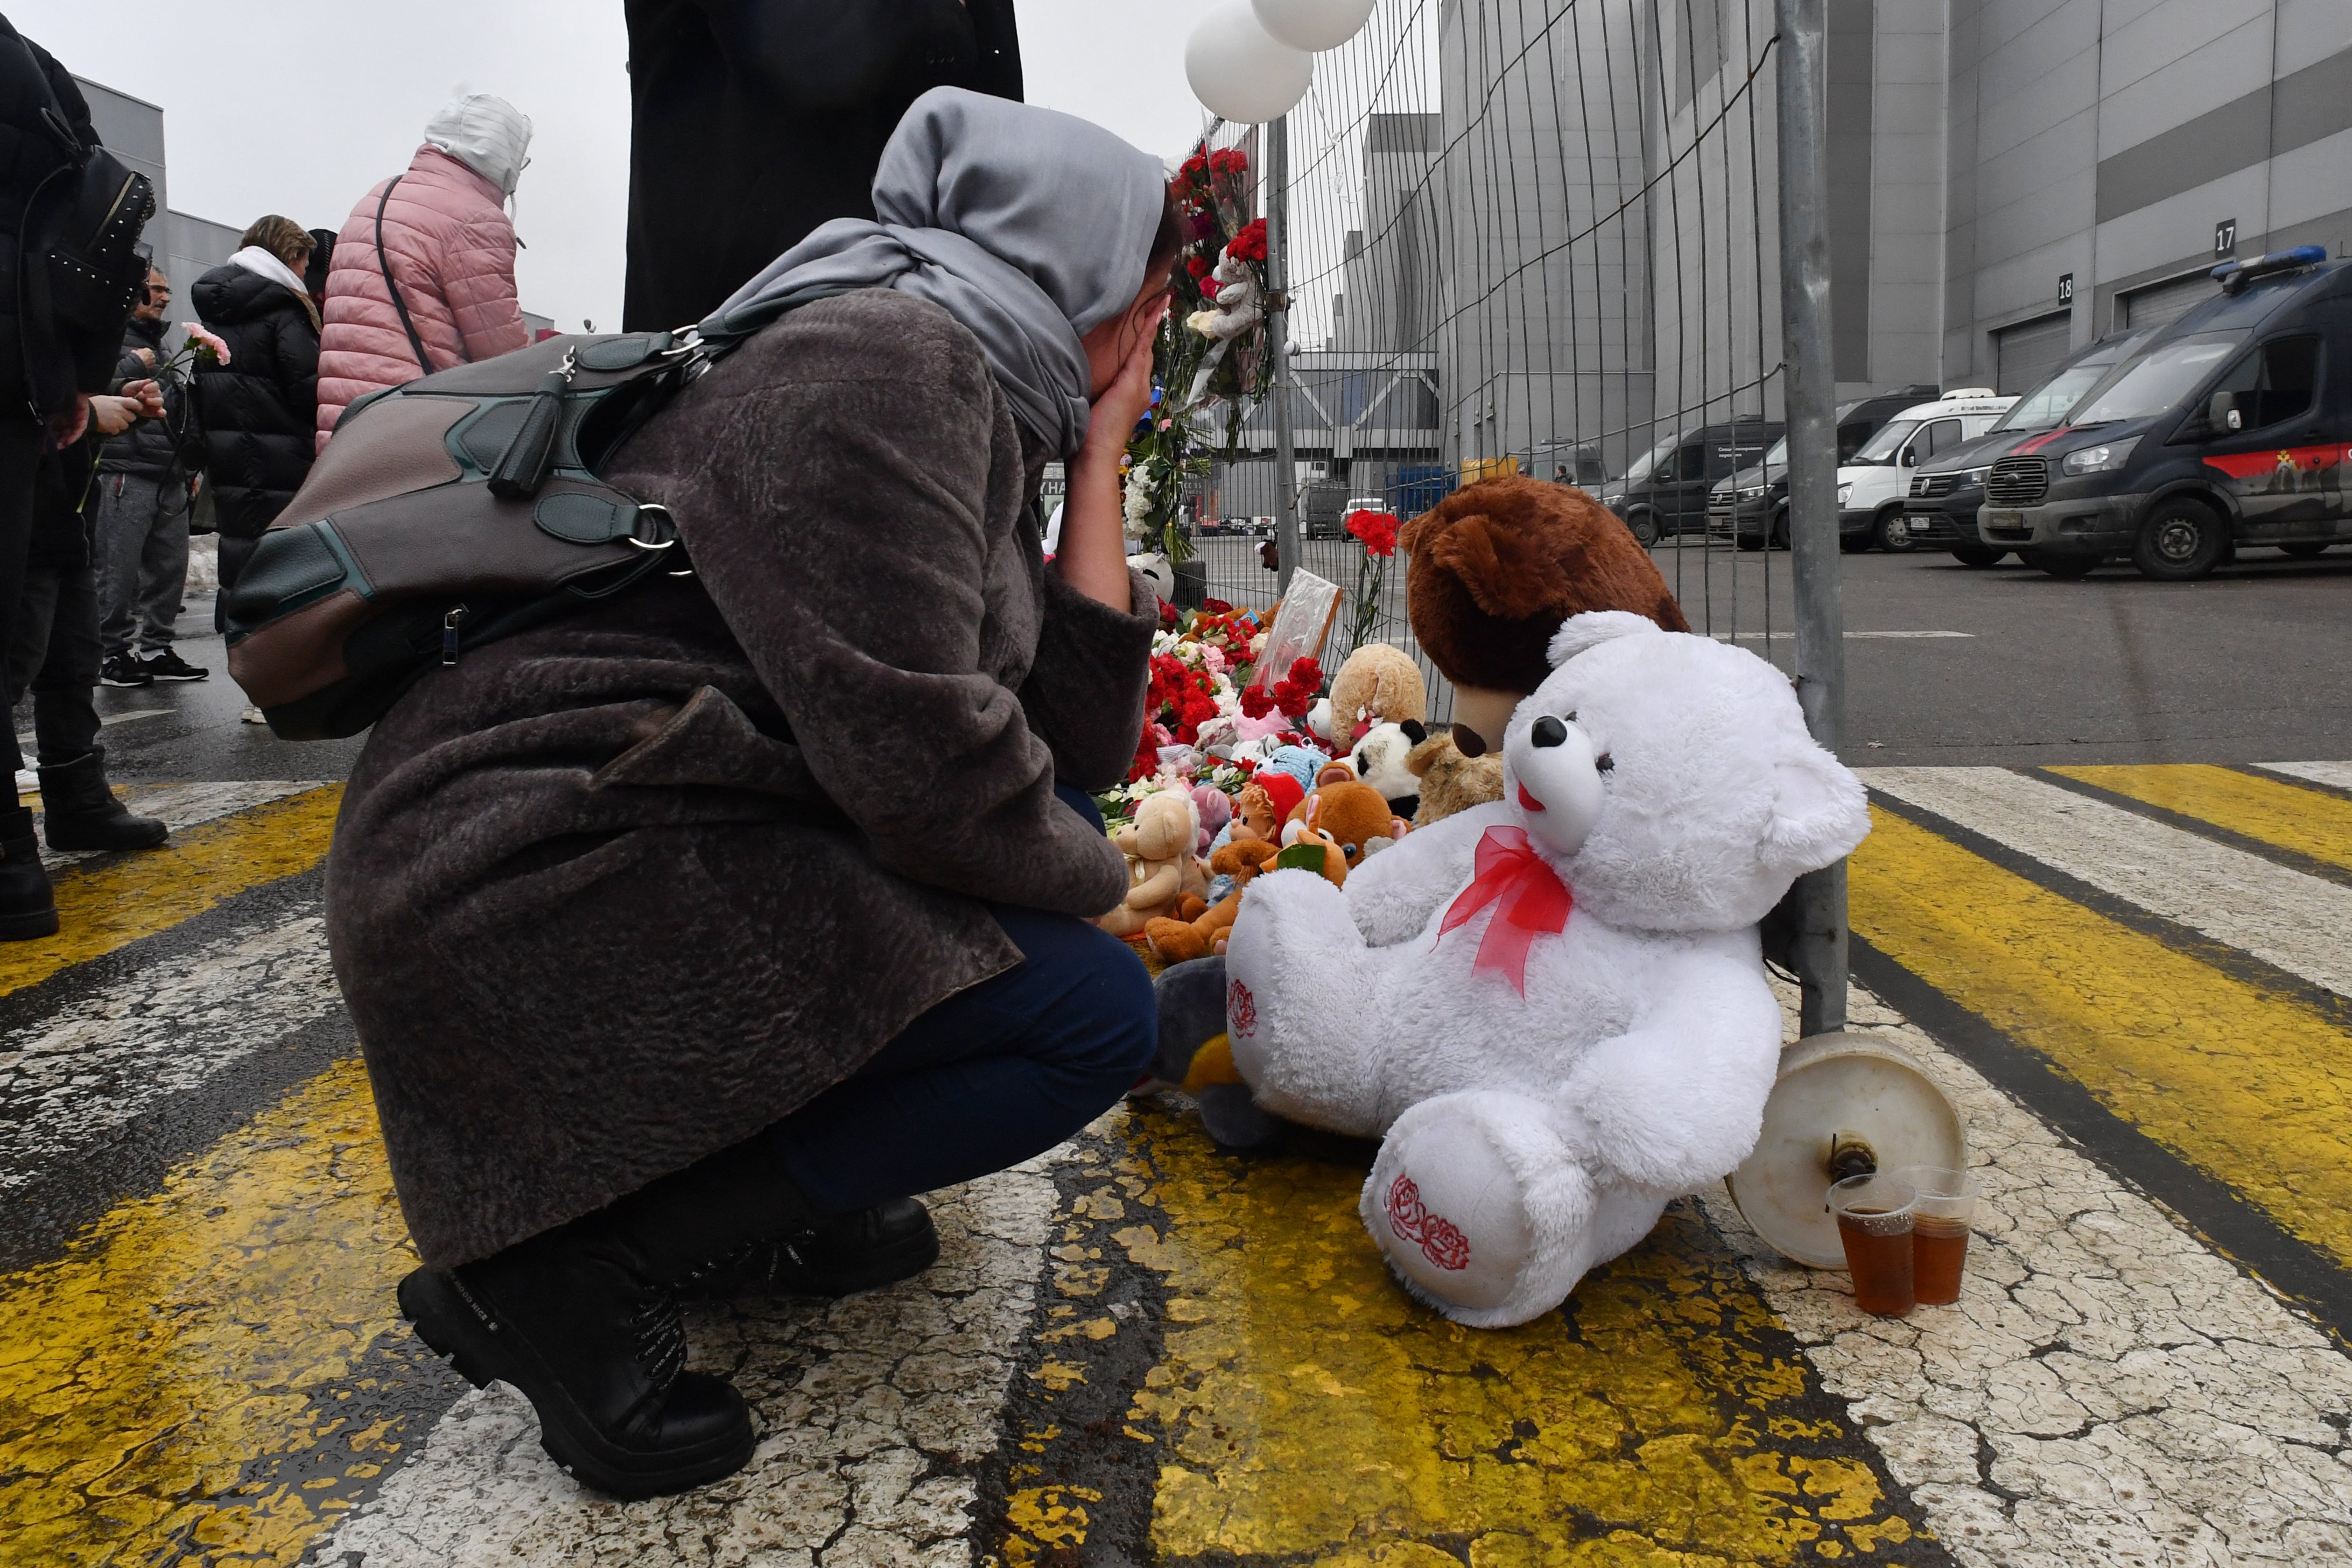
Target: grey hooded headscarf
x=1029 y=226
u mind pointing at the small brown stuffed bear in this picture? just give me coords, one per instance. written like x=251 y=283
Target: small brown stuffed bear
x=1163 y=874
x=1493 y=570
x=1451 y=782
x=1378 y=683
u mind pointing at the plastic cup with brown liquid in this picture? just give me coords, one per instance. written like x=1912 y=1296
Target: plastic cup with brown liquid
x=1874 y=1220
x=1942 y=1212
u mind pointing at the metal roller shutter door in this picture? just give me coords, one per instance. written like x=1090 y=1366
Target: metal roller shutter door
x=2164 y=303
x=2025 y=355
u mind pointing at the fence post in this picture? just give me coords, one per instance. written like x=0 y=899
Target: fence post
x=1802 y=74
x=1277 y=332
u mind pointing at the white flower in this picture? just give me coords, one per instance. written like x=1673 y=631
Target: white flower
x=1135 y=504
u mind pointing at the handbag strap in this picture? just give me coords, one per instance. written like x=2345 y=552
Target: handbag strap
x=416 y=343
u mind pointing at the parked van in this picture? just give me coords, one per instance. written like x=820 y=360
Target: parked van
x=1872 y=484
x=1946 y=490
x=1752 y=506
x=2228 y=429
x=1665 y=490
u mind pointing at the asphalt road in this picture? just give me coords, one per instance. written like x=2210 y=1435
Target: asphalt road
x=1949 y=665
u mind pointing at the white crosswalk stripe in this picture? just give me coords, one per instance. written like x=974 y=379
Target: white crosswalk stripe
x=2283 y=917
x=121 y=1050
x=2336 y=773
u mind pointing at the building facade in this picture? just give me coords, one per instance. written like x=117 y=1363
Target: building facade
x=2100 y=156
x=1575 y=246
x=183 y=246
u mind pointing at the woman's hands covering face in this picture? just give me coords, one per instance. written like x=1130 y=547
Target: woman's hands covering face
x=1129 y=394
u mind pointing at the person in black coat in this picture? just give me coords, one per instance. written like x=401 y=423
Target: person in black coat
x=258 y=413
x=755 y=120
x=52 y=651
x=43 y=127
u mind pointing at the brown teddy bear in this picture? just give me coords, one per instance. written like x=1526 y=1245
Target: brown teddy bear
x=1164 y=875
x=1451 y=782
x=1378 y=683
x=1493 y=570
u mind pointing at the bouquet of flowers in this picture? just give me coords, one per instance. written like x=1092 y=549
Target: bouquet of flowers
x=1212 y=351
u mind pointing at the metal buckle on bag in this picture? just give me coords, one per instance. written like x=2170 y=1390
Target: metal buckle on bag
x=666 y=526
x=665 y=531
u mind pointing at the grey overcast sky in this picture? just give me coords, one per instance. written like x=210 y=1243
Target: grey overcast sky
x=276 y=105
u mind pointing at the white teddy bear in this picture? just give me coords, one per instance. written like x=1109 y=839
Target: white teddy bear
x=1574 y=1027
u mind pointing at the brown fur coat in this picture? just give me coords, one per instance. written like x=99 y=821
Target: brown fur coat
x=614 y=894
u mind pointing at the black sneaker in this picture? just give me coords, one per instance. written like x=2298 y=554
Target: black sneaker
x=168 y=665
x=124 y=669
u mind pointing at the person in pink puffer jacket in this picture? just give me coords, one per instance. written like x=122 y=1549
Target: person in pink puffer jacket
x=452 y=251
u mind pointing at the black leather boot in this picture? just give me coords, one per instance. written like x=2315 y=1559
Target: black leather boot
x=27 y=907
x=79 y=811
x=582 y=1320
x=861 y=1251
x=575 y=1320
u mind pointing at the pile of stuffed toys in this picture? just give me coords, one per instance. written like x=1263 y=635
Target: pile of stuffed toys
x=1551 y=907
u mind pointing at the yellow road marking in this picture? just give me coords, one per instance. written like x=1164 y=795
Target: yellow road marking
x=2254 y=1090
x=158 y=1381
x=103 y=907
x=2303 y=821
x=1314 y=1412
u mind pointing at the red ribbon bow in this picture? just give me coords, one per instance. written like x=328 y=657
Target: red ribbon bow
x=1533 y=902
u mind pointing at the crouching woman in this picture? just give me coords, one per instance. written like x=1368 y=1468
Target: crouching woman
x=694 y=934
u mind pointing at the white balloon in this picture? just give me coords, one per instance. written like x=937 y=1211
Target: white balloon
x=1239 y=71
x=1312 y=23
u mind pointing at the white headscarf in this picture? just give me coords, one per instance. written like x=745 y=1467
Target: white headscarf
x=486 y=134
x=1029 y=226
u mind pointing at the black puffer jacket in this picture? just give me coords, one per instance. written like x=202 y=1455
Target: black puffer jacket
x=258 y=413
x=29 y=152
x=151 y=449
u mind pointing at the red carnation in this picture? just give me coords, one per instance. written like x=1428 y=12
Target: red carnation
x=1250 y=244
x=1376 y=529
x=1216 y=607
x=1198 y=266
x=1257 y=702
x=1195 y=166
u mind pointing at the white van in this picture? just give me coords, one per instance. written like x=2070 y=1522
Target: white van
x=1873 y=482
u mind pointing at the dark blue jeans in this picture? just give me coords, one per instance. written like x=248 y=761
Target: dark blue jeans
x=988 y=1077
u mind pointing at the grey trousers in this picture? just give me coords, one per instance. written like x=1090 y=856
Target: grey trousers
x=141 y=541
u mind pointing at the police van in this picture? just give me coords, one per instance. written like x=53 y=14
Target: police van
x=2228 y=429
x=1872 y=484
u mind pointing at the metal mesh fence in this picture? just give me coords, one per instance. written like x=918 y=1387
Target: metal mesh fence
x=1532 y=236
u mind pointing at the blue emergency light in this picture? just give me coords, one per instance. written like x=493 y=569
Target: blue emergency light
x=2233 y=275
